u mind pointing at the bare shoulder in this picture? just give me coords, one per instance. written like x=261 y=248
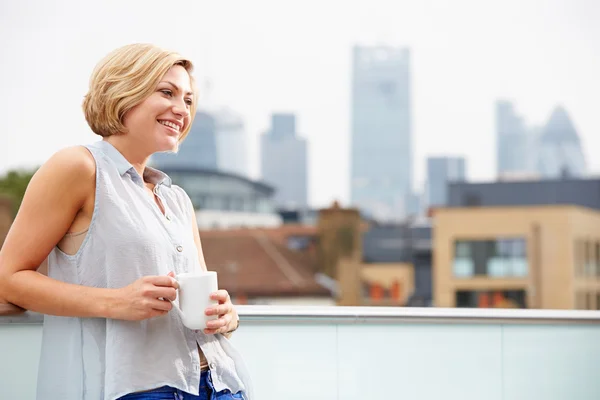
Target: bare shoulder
x=60 y=190
x=69 y=173
x=72 y=161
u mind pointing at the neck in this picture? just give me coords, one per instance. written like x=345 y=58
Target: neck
x=132 y=153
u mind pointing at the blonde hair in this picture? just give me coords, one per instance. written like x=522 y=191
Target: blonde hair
x=123 y=79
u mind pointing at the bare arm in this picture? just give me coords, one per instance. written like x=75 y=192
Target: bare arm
x=63 y=187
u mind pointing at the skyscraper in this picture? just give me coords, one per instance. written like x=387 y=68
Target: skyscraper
x=198 y=150
x=216 y=141
x=561 y=154
x=284 y=162
x=516 y=143
x=231 y=142
x=441 y=171
x=381 y=139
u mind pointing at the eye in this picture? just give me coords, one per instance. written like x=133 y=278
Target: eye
x=189 y=102
x=167 y=92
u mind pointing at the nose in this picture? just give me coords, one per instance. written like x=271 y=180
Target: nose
x=180 y=108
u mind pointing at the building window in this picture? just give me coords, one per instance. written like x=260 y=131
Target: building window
x=597 y=259
x=589 y=301
x=587 y=258
x=491 y=299
x=579 y=258
x=299 y=243
x=471 y=200
x=505 y=257
x=589 y=267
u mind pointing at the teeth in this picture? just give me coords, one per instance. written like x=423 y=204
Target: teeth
x=170 y=124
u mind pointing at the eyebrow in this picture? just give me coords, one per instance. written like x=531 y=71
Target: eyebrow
x=178 y=88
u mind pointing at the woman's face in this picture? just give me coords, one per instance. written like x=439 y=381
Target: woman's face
x=157 y=123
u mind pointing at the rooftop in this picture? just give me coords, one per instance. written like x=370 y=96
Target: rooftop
x=260 y=262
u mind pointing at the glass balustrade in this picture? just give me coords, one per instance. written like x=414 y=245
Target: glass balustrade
x=352 y=353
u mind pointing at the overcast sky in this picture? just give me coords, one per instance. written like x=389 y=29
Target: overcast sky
x=294 y=55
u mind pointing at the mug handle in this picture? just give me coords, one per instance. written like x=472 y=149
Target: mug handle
x=176 y=304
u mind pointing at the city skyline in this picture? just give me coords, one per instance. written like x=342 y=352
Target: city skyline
x=381 y=154
x=463 y=61
x=284 y=162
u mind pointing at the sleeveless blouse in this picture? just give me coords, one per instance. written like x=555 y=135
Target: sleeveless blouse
x=128 y=238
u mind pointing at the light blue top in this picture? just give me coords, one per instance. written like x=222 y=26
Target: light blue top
x=129 y=237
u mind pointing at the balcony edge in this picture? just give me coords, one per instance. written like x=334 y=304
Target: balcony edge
x=353 y=315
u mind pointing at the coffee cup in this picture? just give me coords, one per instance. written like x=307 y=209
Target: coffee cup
x=195 y=289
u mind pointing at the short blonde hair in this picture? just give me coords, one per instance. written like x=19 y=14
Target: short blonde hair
x=123 y=79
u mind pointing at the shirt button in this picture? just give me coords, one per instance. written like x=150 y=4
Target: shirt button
x=179 y=248
x=168 y=218
x=212 y=366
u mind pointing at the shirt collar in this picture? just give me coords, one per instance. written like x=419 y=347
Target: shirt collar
x=151 y=175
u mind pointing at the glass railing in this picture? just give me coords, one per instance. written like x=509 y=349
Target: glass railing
x=354 y=353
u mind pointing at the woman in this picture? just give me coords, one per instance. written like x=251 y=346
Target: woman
x=115 y=232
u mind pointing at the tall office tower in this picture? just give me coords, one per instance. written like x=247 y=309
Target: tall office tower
x=198 y=150
x=561 y=154
x=231 y=142
x=381 y=139
x=284 y=162
x=440 y=172
x=516 y=145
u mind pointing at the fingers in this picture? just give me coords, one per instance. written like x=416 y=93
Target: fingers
x=219 y=325
x=162 y=280
x=219 y=310
x=161 y=305
x=166 y=293
x=221 y=296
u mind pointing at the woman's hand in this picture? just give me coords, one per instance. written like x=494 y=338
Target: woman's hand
x=145 y=298
x=228 y=318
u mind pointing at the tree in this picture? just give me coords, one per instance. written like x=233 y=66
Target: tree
x=14 y=184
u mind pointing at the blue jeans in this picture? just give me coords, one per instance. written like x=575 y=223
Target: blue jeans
x=207 y=392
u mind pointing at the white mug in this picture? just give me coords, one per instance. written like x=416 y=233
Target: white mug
x=194 y=297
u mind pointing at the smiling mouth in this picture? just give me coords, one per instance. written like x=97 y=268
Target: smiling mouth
x=171 y=125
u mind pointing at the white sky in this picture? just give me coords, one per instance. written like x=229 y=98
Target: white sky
x=295 y=55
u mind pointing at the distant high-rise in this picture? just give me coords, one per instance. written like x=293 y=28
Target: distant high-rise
x=440 y=172
x=381 y=140
x=216 y=141
x=561 y=154
x=232 y=145
x=284 y=162
x=516 y=144
x=198 y=150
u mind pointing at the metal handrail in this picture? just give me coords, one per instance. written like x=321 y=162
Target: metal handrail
x=391 y=315
x=335 y=314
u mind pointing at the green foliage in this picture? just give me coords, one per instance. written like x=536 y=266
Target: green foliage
x=14 y=184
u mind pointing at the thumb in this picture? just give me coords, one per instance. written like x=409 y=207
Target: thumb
x=171 y=274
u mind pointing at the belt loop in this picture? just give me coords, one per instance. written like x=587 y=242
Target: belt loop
x=177 y=395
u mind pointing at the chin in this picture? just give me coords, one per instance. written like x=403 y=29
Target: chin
x=170 y=145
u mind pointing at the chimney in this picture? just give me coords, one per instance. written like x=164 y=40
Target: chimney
x=340 y=250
